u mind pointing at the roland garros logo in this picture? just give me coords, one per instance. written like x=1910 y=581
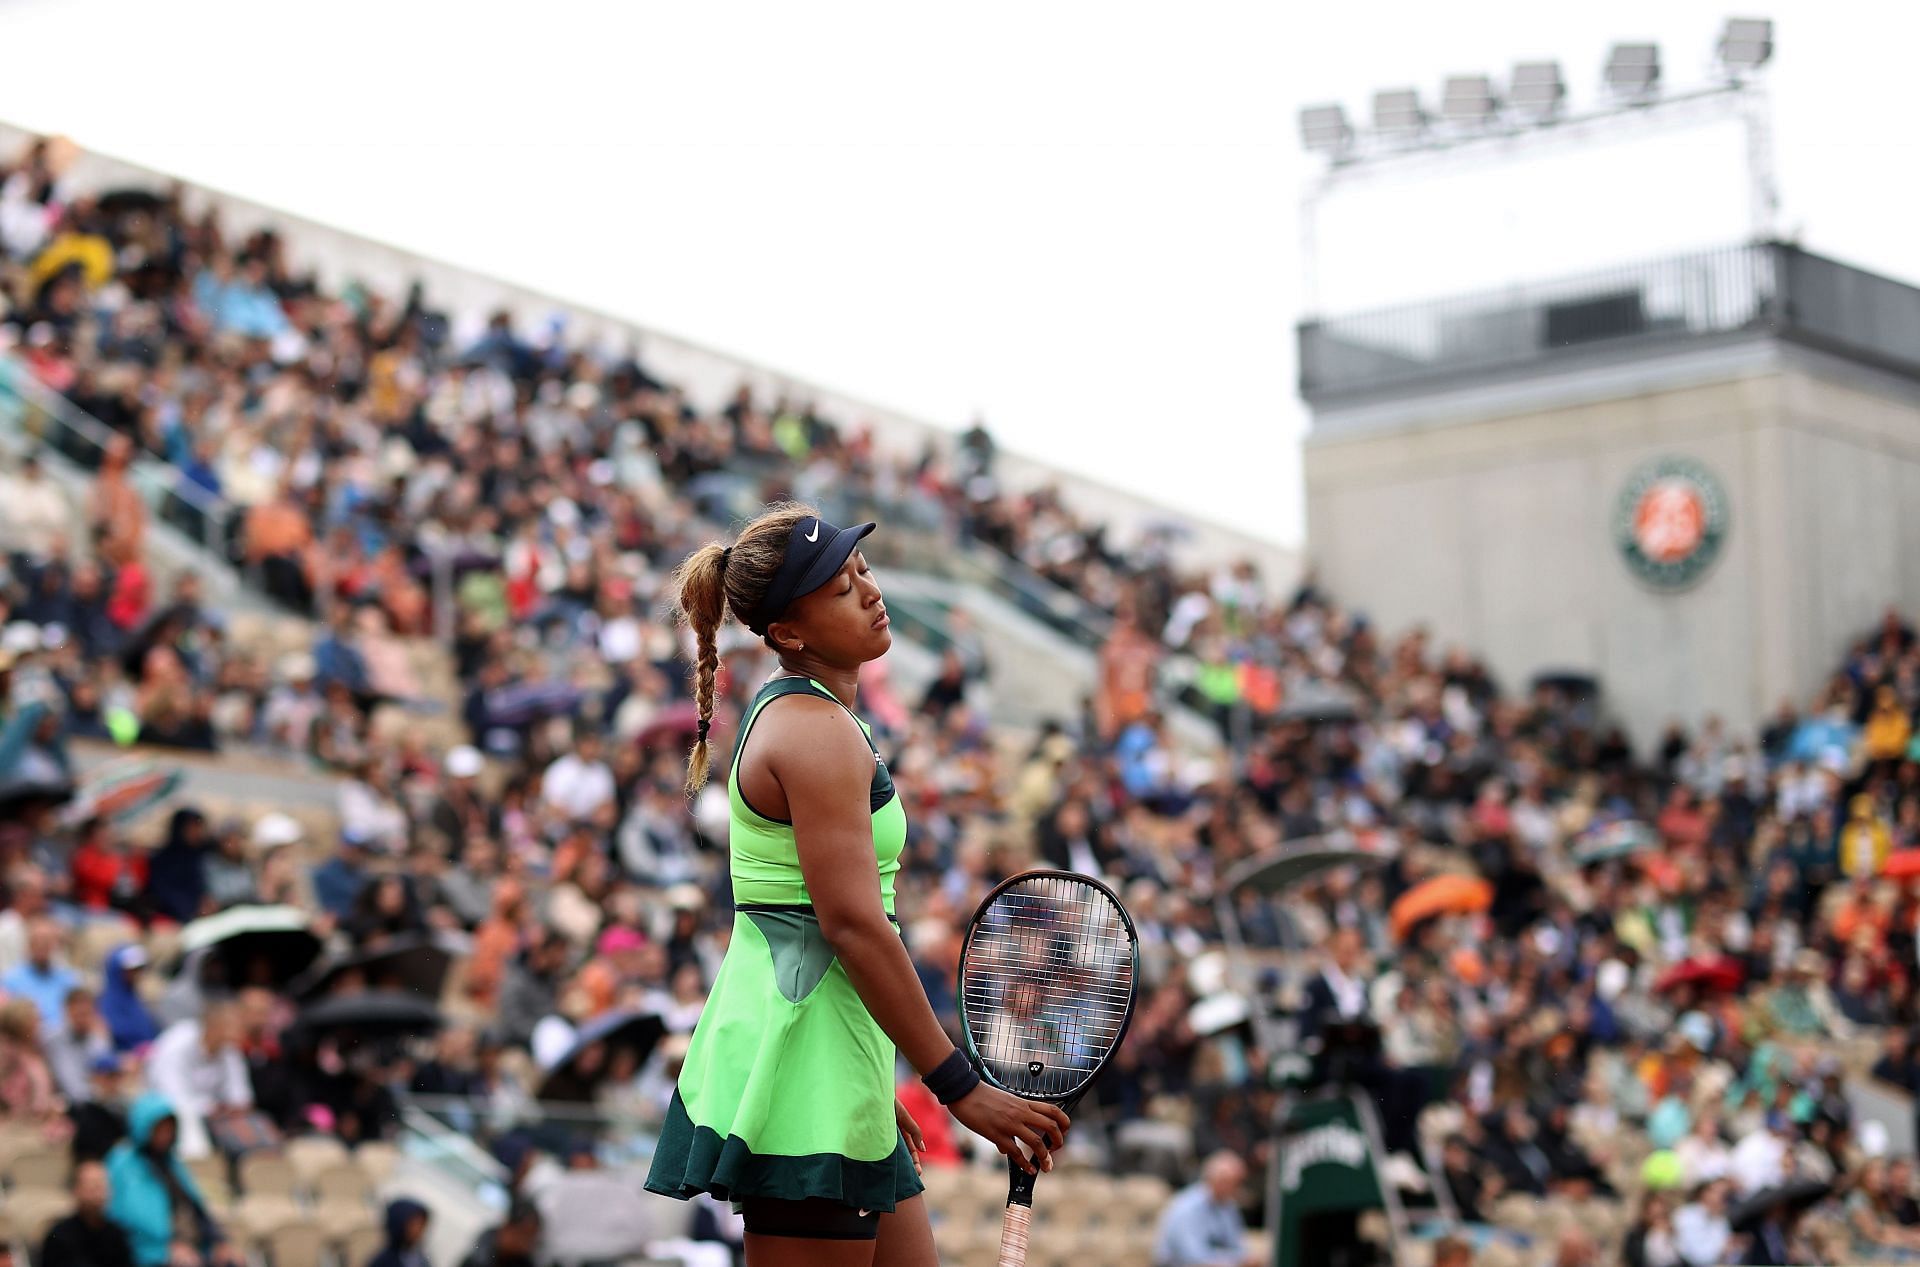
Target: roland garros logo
x=1670 y=522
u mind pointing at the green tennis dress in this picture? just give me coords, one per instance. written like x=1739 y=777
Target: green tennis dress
x=787 y=1088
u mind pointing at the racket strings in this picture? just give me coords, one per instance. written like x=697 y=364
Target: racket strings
x=1048 y=984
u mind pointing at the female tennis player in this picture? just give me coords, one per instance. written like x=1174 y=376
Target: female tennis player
x=785 y=1103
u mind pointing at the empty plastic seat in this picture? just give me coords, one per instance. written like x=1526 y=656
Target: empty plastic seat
x=1070 y=1210
x=95 y=941
x=295 y=1245
x=266 y=1175
x=954 y=1239
x=33 y=1212
x=209 y=1171
x=341 y=1184
x=360 y=1244
x=378 y=1160
x=258 y=1216
x=339 y=1218
x=311 y=1154
x=983 y=1254
x=1120 y=1249
x=46 y=1170
x=17 y=1140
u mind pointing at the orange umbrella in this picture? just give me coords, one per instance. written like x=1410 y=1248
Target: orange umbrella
x=1466 y=964
x=1442 y=895
x=1662 y=870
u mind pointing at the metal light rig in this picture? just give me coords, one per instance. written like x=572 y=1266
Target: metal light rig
x=1476 y=123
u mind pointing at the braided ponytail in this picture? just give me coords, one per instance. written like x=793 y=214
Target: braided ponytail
x=703 y=605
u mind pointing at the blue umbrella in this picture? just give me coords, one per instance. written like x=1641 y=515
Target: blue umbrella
x=525 y=702
x=1814 y=738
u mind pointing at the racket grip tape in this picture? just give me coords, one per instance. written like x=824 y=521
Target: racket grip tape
x=1013 y=1236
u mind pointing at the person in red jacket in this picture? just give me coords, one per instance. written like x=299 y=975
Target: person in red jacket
x=937 y=1146
x=107 y=875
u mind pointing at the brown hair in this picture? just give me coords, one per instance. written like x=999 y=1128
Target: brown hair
x=716 y=579
x=19 y=1020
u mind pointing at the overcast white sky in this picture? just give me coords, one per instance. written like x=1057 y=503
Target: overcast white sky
x=1078 y=219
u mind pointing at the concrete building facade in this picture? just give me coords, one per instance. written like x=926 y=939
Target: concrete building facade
x=1699 y=481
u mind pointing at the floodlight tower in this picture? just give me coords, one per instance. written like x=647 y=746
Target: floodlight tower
x=1651 y=476
x=1476 y=123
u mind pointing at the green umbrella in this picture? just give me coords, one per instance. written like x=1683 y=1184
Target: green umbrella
x=1615 y=840
x=238 y=920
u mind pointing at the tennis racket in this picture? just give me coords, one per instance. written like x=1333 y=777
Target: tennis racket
x=1048 y=973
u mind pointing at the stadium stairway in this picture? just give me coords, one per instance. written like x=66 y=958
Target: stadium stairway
x=236 y=782
x=69 y=443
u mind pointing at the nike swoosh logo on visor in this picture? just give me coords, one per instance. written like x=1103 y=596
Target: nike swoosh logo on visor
x=815 y=534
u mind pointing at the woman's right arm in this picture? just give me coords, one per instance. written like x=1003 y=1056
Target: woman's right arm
x=826 y=769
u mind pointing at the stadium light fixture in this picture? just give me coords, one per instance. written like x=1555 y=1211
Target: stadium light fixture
x=1397 y=112
x=1467 y=99
x=1537 y=90
x=1746 y=44
x=1324 y=129
x=1633 y=71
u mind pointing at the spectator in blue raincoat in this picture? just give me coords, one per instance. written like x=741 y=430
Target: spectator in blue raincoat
x=129 y=1023
x=155 y=1200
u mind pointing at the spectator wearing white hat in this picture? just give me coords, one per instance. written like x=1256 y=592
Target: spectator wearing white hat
x=34 y=511
x=461 y=809
x=294 y=707
x=21 y=639
x=276 y=830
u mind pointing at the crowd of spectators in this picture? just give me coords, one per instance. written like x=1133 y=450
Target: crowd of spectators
x=360 y=436
x=1680 y=962
x=1683 y=955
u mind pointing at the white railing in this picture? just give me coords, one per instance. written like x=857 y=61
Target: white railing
x=42 y=418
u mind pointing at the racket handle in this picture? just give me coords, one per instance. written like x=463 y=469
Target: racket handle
x=1013 y=1236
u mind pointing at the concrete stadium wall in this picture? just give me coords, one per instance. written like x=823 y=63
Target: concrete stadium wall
x=709 y=376
x=1850 y=456
x=1497 y=533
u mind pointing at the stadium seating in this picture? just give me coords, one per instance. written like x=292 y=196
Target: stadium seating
x=311 y=1155
x=295 y=1245
x=45 y=1170
x=32 y=1212
x=358 y=1243
x=267 y=1174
